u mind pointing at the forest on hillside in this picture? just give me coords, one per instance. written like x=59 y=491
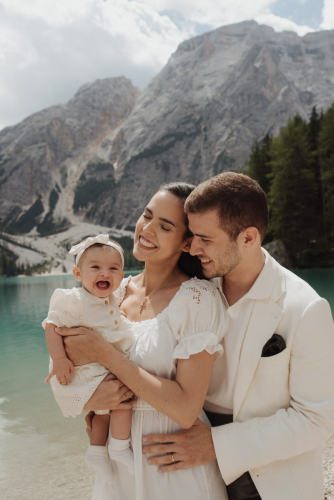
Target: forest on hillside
x=296 y=170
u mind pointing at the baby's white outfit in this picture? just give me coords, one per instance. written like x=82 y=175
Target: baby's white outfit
x=77 y=307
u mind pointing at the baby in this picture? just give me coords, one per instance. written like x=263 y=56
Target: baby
x=99 y=267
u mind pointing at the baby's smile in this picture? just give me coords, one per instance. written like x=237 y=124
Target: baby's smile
x=103 y=285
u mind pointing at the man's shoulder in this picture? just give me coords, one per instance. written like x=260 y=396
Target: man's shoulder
x=297 y=291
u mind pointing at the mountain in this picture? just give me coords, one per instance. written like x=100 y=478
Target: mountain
x=101 y=156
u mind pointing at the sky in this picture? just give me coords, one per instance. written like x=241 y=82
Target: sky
x=49 y=48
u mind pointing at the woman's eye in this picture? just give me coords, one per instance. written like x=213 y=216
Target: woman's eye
x=146 y=217
x=164 y=228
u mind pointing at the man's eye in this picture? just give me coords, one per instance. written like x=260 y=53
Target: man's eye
x=205 y=241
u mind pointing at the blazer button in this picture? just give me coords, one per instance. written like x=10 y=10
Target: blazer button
x=116 y=322
x=111 y=312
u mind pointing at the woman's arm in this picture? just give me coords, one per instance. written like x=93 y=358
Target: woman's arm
x=181 y=400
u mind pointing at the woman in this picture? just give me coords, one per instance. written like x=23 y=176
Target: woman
x=178 y=323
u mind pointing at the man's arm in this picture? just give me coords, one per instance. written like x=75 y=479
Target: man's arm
x=305 y=425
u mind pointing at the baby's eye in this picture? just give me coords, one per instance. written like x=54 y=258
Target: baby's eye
x=95 y=267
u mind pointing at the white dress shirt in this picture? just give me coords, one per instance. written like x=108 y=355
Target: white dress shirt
x=221 y=389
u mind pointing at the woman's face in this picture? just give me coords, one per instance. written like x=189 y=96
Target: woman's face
x=161 y=229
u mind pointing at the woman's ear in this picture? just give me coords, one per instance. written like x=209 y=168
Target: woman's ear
x=76 y=273
x=187 y=244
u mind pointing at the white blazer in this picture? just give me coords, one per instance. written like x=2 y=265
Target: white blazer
x=283 y=406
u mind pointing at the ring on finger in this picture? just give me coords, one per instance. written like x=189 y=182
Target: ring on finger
x=172 y=457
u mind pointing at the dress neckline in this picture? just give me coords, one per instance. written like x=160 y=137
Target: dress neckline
x=124 y=285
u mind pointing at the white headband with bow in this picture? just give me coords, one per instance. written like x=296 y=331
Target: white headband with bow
x=79 y=249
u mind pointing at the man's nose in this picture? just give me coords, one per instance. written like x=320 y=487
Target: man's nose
x=195 y=248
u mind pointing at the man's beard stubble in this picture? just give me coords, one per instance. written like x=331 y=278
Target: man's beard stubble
x=225 y=262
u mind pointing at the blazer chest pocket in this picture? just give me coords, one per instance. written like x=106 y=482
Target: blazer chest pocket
x=274 y=362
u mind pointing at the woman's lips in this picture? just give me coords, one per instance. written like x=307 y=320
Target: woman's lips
x=144 y=243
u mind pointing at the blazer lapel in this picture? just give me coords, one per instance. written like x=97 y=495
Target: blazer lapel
x=264 y=320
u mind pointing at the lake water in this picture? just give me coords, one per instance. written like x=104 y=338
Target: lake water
x=41 y=452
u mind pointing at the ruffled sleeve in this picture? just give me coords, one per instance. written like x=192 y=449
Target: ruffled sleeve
x=197 y=319
x=66 y=308
x=121 y=290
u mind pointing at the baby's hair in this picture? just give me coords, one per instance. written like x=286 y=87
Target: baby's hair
x=96 y=245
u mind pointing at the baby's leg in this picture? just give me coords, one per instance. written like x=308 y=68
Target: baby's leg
x=97 y=454
x=119 y=443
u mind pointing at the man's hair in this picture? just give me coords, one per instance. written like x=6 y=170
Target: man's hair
x=239 y=200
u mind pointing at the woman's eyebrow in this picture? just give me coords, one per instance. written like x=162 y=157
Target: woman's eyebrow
x=161 y=218
x=168 y=221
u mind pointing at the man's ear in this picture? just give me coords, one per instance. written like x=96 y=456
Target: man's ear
x=76 y=273
x=250 y=236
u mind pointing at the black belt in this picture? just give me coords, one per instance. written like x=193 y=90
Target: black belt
x=242 y=488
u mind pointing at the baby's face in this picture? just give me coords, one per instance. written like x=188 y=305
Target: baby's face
x=100 y=270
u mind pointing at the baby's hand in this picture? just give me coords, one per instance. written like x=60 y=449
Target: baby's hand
x=62 y=368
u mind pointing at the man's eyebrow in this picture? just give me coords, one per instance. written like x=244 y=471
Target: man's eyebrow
x=161 y=218
x=203 y=236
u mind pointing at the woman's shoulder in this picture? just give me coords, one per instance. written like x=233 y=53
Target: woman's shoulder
x=198 y=290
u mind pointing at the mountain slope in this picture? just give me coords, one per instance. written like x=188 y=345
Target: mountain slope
x=101 y=156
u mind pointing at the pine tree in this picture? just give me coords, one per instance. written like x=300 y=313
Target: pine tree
x=293 y=190
x=259 y=166
x=326 y=150
x=314 y=128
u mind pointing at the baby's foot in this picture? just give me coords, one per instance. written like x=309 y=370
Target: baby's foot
x=119 y=450
x=98 y=461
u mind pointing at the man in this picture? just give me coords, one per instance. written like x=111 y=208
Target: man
x=280 y=390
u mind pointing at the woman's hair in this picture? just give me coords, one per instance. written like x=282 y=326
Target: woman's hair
x=189 y=264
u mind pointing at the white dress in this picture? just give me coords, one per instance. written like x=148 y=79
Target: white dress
x=195 y=320
x=77 y=307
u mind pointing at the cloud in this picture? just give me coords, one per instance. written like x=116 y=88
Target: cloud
x=282 y=24
x=49 y=49
x=328 y=15
x=48 y=53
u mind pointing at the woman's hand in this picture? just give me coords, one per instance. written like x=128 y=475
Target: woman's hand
x=82 y=345
x=111 y=394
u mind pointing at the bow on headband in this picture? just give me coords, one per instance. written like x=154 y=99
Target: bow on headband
x=79 y=249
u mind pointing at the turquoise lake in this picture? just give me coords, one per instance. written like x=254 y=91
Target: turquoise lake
x=41 y=452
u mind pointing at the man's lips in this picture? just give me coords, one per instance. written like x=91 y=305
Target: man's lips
x=205 y=261
x=144 y=243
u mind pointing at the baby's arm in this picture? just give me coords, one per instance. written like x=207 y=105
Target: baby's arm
x=62 y=366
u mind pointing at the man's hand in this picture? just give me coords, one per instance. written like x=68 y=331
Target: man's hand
x=82 y=346
x=62 y=369
x=111 y=394
x=189 y=448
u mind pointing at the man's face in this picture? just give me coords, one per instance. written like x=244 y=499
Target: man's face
x=218 y=254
